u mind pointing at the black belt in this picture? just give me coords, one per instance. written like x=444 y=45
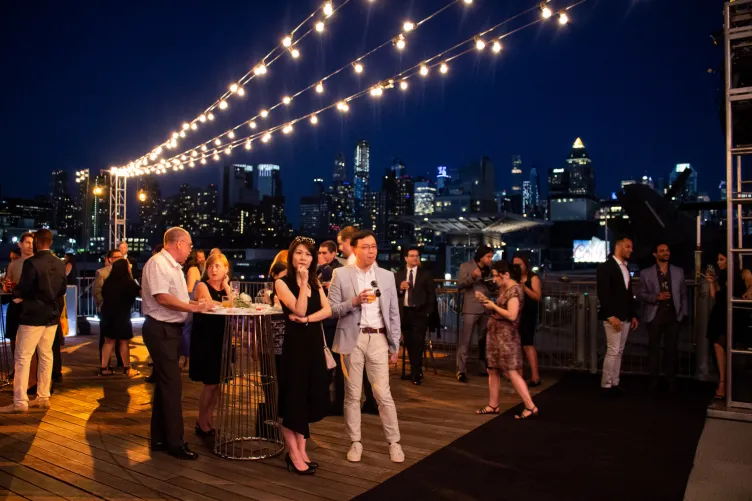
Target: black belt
x=371 y=330
x=176 y=324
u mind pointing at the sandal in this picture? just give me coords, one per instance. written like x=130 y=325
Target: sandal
x=128 y=371
x=105 y=371
x=488 y=410
x=532 y=413
x=720 y=393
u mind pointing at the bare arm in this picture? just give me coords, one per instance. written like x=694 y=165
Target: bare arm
x=513 y=309
x=192 y=277
x=172 y=303
x=324 y=313
x=535 y=292
x=297 y=306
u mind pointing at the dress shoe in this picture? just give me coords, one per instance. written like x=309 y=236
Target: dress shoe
x=462 y=377
x=418 y=381
x=158 y=446
x=370 y=407
x=150 y=378
x=355 y=452
x=183 y=453
x=291 y=467
x=57 y=378
x=14 y=409
x=42 y=403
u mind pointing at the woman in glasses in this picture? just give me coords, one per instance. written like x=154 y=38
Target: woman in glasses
x=303 y=390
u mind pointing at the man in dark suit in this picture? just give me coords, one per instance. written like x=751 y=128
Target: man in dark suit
x=327 y=263
x=663 y=293
x=417 y=299
x=40 y=293
x=617 y=310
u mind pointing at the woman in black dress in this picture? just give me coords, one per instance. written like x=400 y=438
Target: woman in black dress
x=118 y=293
x=531 y=284
x=303 y=391
x=207 y=337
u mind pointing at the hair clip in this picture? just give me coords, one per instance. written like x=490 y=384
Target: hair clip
x=305 y=239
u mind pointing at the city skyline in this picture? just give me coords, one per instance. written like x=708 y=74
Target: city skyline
x=592 y=61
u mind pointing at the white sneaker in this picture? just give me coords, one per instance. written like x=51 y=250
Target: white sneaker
x=42 y=403
x=14 y=409
x=356 y=450
x=395 y=452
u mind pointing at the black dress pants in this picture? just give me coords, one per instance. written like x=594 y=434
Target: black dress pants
x=663 y=326
x=163 y=341
x=414 y=325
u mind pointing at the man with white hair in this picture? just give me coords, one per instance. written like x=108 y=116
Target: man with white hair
x=166 y=305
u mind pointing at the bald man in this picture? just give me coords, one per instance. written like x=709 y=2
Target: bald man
x=166 y=305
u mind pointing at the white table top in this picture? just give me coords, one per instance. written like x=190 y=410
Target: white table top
x=252 y=311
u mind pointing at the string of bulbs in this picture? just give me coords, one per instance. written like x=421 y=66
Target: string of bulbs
x=287 y=45
x=423 y=69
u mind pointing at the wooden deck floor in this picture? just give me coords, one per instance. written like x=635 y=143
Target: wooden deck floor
x=93 y=441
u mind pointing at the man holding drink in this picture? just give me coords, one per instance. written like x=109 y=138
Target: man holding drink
x=12 y=277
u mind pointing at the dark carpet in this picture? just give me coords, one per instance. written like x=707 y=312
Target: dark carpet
x=583 y=446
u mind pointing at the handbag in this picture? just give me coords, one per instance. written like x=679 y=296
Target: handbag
x=330 y=362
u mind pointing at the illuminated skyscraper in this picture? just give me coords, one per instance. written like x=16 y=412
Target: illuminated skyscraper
x=362 y=169
x=582 y=175
x=340 y=168
x=268 y=180
x=516 y=175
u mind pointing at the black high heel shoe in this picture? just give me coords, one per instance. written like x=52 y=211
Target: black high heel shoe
x=202 y=433
x=312 y=464
x=291 y=467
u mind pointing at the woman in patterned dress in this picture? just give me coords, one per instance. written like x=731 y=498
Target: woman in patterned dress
x=503 y=349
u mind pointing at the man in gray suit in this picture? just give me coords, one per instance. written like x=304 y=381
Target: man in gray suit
x=364 y=299
x=474 y=316
x=663 y=294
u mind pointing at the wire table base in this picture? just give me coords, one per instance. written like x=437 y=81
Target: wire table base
x=247 y=422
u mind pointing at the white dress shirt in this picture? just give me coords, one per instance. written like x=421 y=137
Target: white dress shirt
x=624 y=271
x=407 y=279
x=370 y=312
x=351 y=260
x=163 y=275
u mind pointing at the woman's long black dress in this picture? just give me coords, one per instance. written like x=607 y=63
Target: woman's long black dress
x=117 y=302
x=303 y=383
x=207 y=339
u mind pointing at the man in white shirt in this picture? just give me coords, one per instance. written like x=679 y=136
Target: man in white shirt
x=166 y=304
x=364 y=298
x=12 y=278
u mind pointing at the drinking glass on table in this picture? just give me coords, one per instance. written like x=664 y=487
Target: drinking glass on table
x=235 y=286
x=226 y=302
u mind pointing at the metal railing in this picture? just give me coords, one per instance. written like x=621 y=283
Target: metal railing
x=87 y=306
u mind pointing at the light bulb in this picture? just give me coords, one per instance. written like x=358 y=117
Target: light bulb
x=216 y=157
x=223 y=105
x=408 y=26
x=260 y=69
x=211 y=116
x=314 y=119
x=194 y=154
x=287 y=41
x=192 y=164
x=241 y=92
x=234 y=87
x=295 y=53
x=248 y=145
x=287 y=129
x=194 y=126
x=153 y=156
x=228 y=150
x=545 y=11
x=320 y=87
x=424 y=70
x=403 y=85
x=401 y=43
x=159 y=150
x=444 y=68
x=266 y=137
x=231 y=135
x=203 y=147
x=377 y=91
x=202 y=118
x=287 y=100
x=174 y=143
x=468 y=2
x=203 y=160
x=480 y=44
x=320 y=26
x=183 y=157
x=358 y=68
x=343 y=106
x=182 y=133
x=496 y=47
x=264 y=113
x=252 y=124
x=175 y=135
x=186 y=125
x=563 y=19
x=328 y=9
x=217 y=141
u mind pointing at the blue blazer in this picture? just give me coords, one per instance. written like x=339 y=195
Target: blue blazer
x=650 y=288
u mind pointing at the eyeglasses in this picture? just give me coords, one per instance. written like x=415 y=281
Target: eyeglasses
x=368 y=247
x=190 y=244
x=307 y=240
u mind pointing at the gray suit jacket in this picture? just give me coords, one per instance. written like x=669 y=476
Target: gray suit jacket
x=649 y=289
x=101 y=276
x=468 y=285
x=341 y=293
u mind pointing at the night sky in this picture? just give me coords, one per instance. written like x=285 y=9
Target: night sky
x=94 y=84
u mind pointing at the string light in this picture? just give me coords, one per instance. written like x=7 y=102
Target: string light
x=287 y=99
x=252 y=124
x=211 y=116
x=400 y=42
x=545 y=11
x=358 y=67
x=216 y=157
x=185 y=125
x=203 y=160
x=320 y=87
x=320 y=26
x=295 y=53
x=424 y=70
x=468 y=2
x=287 y=129
x=408 y=26
x=260 y=69
x=241 y=92
x=182 y=133
x=264 y=113
x=217 y=141
x=377 y=91
x=496 y=47
x=444 y=68
x=343 y=107
x=480 y=44
x=194 y=126
x=234 y=87
x=328 y=9
x=314 y=119
x=228 y=150
x=202 y=118
x=248 y=145
x=404 y=85
x=203 y=147
x=231 y=135
x=563 y=19
x=287 y=41
x=267 y=137
x=223 y=105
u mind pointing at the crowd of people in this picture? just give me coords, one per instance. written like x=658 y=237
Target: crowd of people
x=342 y=325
